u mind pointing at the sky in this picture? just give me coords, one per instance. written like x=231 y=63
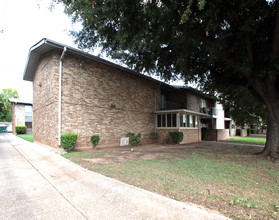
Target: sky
x=23 y=24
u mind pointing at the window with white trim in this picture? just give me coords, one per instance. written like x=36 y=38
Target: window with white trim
x=166 y=120
x=188 y=121
x=203 y=103
x=196 y=122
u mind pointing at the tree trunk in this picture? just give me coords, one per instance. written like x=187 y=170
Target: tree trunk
x=269 y=93
x=272 y=139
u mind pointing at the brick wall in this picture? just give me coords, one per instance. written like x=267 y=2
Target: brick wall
x=194 y=101
x=223 y=134
x=243 y=132
x=45 y=100
x=217 y=134
x=18 y=116
x=190 y=135
x=96 y=99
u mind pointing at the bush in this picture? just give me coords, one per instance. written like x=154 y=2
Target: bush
x=249 y=131
x=255 y=131
x=20 y=129
x=95 y=140
x=68 y=141
x=133 y=139
x=176 y=136
x=154 y=135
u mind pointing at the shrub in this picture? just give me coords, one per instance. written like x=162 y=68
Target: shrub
x=249 y=131
x=133 y=139
x=154 y=135
x=176 y=136
x=20 y=129
x=68 y=141
x=255 y=131
x=95 y=140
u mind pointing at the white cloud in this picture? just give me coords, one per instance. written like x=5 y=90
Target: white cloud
x=24 y=23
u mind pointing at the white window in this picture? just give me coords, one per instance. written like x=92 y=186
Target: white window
x=166 y=120
x=183 y=120
x=203 y=103
x=28 y=113
x=189 y=121
x=196 y=122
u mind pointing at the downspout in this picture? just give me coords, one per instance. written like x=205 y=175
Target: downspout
x=60 y=95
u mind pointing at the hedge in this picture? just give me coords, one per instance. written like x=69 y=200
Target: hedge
x=20 y=129
x=68 y=141
x=95 y=140
x=176 y=136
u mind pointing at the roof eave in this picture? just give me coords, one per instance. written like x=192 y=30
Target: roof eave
x=34 y=55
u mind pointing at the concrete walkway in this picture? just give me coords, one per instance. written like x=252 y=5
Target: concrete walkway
x=37 y=183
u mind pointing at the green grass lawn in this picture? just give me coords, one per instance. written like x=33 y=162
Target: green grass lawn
x=27 y=137
x=248 y=139
x=82 y=155
x=237 y=185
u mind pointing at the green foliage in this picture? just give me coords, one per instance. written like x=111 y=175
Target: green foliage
x=154 y=135
x=95 y=140
x=223 y=46
x=68 y=141
x=213 y=43
x=133 y=138
x=242 y=106
x=248 y=131
x=252 y=131
x=5 y=105
x=176 y=136
x=20 y=129
x=255 y=131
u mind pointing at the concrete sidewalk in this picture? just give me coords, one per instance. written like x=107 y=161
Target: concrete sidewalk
x=37 y=183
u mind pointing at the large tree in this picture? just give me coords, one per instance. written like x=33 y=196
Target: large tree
x=222 y=43
x=5 y=105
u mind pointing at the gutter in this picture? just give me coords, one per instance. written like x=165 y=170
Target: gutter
x=60 y=95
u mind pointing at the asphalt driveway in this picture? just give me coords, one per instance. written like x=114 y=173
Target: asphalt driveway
x=37 y=183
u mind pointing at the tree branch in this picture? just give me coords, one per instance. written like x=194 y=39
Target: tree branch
x=275 y=42
x=225 y=57
x=237 y=20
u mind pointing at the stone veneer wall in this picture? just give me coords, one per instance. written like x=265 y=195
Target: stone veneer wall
x=96 y=99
